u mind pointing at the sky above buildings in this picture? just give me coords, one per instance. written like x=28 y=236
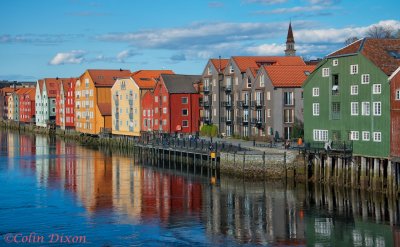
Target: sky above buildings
x=50 y=38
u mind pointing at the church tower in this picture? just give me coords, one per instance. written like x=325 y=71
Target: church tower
x=290 y=51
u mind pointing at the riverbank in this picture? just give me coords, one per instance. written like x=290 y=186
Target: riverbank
x=232 y=161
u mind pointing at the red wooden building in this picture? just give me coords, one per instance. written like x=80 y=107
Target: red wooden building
x=395 y=116
x=147 y=103
x=27 y=106
x=65 y=103
x=176 y=98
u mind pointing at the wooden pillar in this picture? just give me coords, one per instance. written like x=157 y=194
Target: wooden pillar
x=390 y=178
x=375 y=181
x=316 y=169
x=339 y=171
x=328 y=168
x=353 y=172
x=363 y=176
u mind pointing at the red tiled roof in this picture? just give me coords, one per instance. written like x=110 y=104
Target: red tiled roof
x=40 y=85
x=223 y=62
x=288 y=76
x=376 y=50
x=7 y=90
x=31 y=93
x=105 y=109
x=22 y=91
x=147 y=78
x=256 y=61
x=253 y=71
x=107 y=77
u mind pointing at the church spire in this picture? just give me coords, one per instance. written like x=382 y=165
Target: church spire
x=290 y=51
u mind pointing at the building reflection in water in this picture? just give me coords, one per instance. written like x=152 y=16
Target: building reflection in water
x=245 y=212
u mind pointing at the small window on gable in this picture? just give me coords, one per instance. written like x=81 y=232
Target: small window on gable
x=354 y=69
x=262 y=79
x=231 y=70
x=398 y=94
x=315 y=92
x=248 y=82
x=325 y=72
x=209 y=70
x=335 y=62
x=365 y=79
x=376 y=88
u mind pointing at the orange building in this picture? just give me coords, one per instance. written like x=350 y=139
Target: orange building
x=93 y=100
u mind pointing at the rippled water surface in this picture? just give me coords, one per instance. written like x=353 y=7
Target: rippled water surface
x=54 y=193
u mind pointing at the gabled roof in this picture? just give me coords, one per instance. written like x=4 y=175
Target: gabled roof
x=107 y=77
x=22 y=91
x=288 y=76
x=7 y=90
x=104 y=108
x=180 y=83
x=220 y=63
x=148 y=78
x=256 y=61
x=31 y=93
x=381 y=52
x=53 y=85
x=40 y=82
x=253 y=71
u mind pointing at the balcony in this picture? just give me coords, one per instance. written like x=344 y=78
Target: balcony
x=117 y=115
x=243 y=104
x=228 y=121
x=227 y=89
x=206 y=90
x=131 y=102
x=206 y=104
x=257 y=103
x=131 y=115
x=227 y=104
x=258 y=122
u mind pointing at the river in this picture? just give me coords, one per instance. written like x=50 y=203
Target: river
x=55 y=193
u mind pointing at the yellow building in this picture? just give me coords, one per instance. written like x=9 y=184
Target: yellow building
x=126 y=105
x=93 y=100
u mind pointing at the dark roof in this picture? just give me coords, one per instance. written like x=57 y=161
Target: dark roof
x=379 y=51
x=180 y=83
x=290 y=38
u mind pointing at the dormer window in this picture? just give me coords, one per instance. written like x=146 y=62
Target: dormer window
x=231 y=70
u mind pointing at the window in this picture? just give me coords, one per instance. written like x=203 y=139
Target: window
x=364 y=78
x=209 y=70
x=320 y=135
x=315 y=92
x=156 y=110
x=365 y=135
x=184 y=112
x=268 y=112
x=354 y=135
x=288 y=98
x=184 y=100
x=156 y=122
x=354 y=69
x=165 y=110
x=268 y=95
x=354 y=108
x=248 y=82
x=335 y=62
x=354 y=90
x=335 y=84
x=315 y=109
x=365 y=109
x=398 y=94
x=156 y=99
x=231 y=70
x=336 y=110
x=215 y=112
x=164 y=98
x=262 y=80
x=185 y=123
x=214 y=97
x=377 y=109
x=87 y=83
x=376 y=88
x=377 y=136
x=325 y=72
x=288 y=115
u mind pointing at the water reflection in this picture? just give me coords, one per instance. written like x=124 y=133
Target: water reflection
x=115 y=190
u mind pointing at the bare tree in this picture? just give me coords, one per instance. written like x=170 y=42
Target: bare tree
x=380 y=32
x=350 y=40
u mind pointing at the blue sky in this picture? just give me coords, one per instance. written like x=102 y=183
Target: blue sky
x=50 y=38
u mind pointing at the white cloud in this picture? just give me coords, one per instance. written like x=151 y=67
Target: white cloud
x=266 y=49
x=121 y=56
x=266 y=1
x=296 y=9
x=72 y=57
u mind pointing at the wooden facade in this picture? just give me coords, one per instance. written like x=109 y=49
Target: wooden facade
x=394 y=81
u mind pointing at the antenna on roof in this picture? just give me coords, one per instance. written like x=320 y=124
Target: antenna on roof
x=57 y=78
x=120 y=69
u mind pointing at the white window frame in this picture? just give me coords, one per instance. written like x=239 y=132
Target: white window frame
x=320 y=135
x=185 y=99
x=376 y=88
x=377 y=108
x=269 y=95
x=268 y=112
x=397 y=96
x=335 y=62
x=354 y=108
x=165 y=110
x=354 y=135
x=315 y=109
x=365 y=108
x=354 y=90
x=354 y=69
x=366 y=136
x=187 y=123
x=315 y=91
x=365 y=78
x=377 y=136
x=325 y=72
x=262 y=80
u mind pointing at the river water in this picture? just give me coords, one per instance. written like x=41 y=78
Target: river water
x=57 y=193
